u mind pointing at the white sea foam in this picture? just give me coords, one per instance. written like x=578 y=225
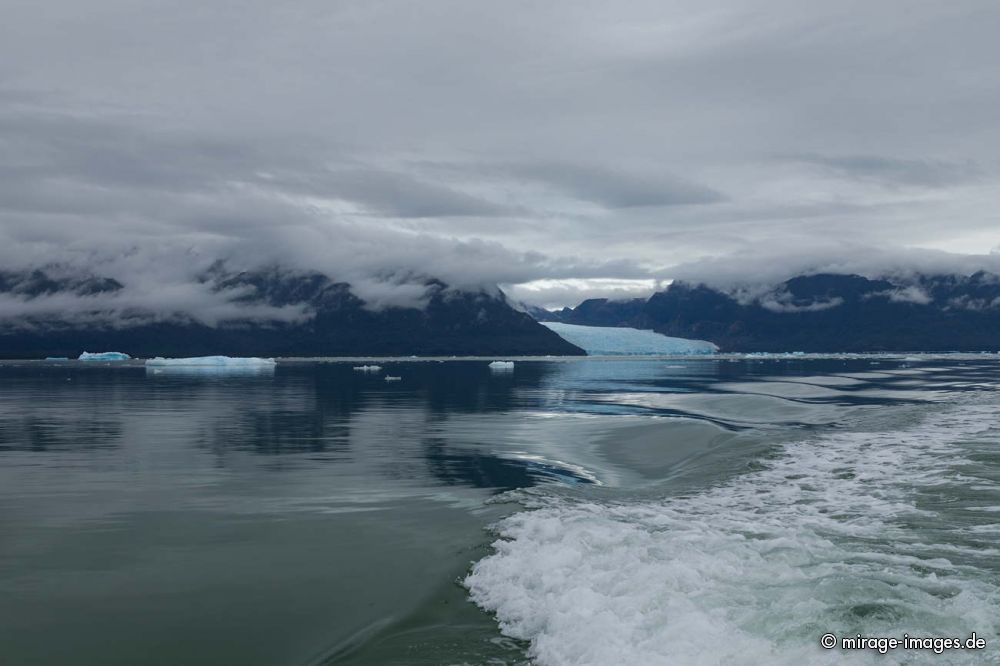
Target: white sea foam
x=829 y=536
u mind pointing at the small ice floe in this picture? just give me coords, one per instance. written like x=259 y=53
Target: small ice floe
x=57 y=358
x=104 y=356
x=502 y=365
x=391 y=378
x=368 y=368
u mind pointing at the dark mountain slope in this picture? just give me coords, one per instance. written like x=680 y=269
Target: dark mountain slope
x=821 y=313
x=335 y=322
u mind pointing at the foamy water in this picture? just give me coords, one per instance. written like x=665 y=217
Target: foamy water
x=879 y=531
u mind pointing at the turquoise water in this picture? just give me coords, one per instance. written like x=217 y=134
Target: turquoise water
x=588 y=511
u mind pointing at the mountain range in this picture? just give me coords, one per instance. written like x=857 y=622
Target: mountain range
x=815 y=313
x=48 y=312
x=277 y=312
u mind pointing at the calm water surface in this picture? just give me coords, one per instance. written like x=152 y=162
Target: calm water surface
x=644 y=511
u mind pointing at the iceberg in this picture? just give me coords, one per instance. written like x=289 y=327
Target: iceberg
x=368 y=368
x=210 y=366
x=390 y=378
x=210 y=362
x=502 y=365
x=618 y=341
x=104 y=356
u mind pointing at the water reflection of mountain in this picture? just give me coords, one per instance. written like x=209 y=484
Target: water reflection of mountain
x=59 y=409
x=310 y=414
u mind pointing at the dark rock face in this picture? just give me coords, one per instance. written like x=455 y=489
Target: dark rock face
x=822 y=313
x=33 y=284
x=337 y=322
x=597 y=312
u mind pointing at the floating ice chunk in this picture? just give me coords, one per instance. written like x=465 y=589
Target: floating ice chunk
x=368 y=368
x=502 y=365
x=104 y=356
x=616 y=341
x=56 y=358
x=390 y=378
x=210 y=366
x=210 y=362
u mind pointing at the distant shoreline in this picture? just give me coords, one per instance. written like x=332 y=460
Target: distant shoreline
x=722 y=356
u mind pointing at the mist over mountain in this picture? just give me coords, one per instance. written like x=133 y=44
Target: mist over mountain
x=817 y=313
x=268 y=312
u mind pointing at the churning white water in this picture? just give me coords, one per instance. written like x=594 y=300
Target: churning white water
x=879 y=532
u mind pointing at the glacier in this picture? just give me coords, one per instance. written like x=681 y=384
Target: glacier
x=210 y=362
x=104 y=356
x=618 y=341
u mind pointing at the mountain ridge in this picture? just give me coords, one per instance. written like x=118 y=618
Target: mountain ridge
x=305 y=314
x=822 y=312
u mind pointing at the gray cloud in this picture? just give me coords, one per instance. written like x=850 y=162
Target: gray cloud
x=524 y=144
x=910 y=294
x=616 y=189
x=782 y=302
x=897 y=172
x=753 y=272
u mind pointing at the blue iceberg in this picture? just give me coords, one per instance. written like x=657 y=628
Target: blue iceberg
x=104 y=356
x=210 y=366
x=616 y=341
x=210 y=362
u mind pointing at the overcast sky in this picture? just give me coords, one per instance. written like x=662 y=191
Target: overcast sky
x=563 y=149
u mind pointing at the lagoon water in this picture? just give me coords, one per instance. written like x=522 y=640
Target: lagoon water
x=715 y=510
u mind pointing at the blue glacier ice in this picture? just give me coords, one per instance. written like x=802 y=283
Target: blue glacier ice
x=616 y=341
x=104 y=356
x=210 y=362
